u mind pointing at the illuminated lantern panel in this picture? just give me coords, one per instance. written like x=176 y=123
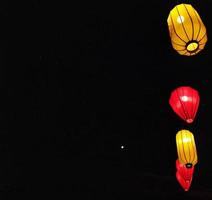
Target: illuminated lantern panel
x=184 y=184
x=186 y=148
x=186 y=29
x=186 y=173
x=184 y=101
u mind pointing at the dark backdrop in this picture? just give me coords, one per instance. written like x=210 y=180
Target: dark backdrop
x=87 y=78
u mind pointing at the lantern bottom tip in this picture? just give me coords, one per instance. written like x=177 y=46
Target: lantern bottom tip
x=189 y=120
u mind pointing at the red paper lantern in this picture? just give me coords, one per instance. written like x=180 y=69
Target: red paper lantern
x=186 y=173
x=184 y=184
x=185 y=102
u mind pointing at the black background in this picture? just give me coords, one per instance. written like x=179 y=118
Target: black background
x=87 y=78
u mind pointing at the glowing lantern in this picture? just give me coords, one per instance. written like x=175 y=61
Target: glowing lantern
x=186 y=29
x=184 y=184
x=186 y=148
x=185 y=102
x=186 y=173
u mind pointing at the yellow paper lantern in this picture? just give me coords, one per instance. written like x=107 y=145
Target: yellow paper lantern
x=186 y=29
x=186 y=148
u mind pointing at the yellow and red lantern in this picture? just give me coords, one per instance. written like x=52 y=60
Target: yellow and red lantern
x=186 y=173
x=186 y=148
x=184 y=184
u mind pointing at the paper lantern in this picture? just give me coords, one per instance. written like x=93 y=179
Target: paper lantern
x=186 y=29
x=186 y=173
x=184 y=184
x=186 y=148
x=185 y=102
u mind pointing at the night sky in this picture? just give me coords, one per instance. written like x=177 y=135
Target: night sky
x=86 y=113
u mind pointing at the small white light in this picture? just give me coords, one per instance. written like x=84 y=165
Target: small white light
x=185 y=140
x=184 y=98
x=180 y=19
x=122 y=147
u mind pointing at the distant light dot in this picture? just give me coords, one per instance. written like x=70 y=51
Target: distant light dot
x=122 y=147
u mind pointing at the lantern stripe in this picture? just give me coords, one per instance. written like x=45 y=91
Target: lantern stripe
x=183 y=105
x=187 y=53
x=180 y=153
x=193 y=160
x=186 y=114
x=182 y=24
x=178 y=44
x=189 y=145
x=195 y=152
x=201 y=24
x=175 y=31
x=192 y=99
x=194 y=105
x=202 y=37
x=181 y=50
x=178 y=35
x=179 y=149
x=202 y=44
x=187 y=111
x=192 y=24
x=183 y=108
x=184 y=152
x=195 y=155
x=197 y=16
x=183 y=53
x=186 y=147
x=183 y=149
x=190 y=108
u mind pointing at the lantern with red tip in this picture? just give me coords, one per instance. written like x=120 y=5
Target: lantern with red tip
x=186 y=173
x=185 y=102
x=184 y=184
